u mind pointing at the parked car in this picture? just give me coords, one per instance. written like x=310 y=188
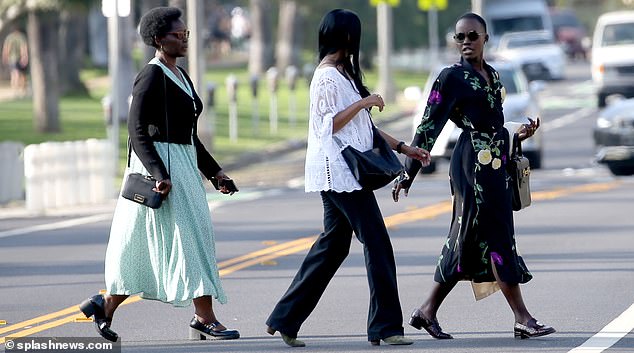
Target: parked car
x=521 y=101
x=535 y=51
x=569 y=32
x=613 y=55
x=614 y=137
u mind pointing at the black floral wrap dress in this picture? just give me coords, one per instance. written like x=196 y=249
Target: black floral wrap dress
x=482 y=231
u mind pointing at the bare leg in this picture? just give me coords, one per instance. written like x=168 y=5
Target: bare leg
x=204 y=311
x=513 y=295
x=112 y=303
x=438 y=294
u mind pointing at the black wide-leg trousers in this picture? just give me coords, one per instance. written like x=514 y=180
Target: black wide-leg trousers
x=344 y=213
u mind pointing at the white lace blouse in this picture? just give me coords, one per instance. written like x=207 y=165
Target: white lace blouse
x=330 y=93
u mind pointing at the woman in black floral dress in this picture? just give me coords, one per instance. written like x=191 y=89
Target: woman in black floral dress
x=481 y=242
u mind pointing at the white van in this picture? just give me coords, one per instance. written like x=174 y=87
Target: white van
x=613 y=55
x=505 y=16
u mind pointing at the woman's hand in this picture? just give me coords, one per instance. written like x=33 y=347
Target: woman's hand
x=528 y=130
x=396 y=189
x=374 y=100
x=417 y=153
x=163 y=187
x=221 y=177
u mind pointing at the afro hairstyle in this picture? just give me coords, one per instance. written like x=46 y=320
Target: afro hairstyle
x=157 y=22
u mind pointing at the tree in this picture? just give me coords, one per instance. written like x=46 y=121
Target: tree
x=43 y=35
x=287 y=52
x=72 y=38
x=261 y=48
x=43 y=39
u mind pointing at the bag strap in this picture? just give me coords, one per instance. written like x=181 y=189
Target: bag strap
x=517 y=145
x=374 y=129
x=167 y=131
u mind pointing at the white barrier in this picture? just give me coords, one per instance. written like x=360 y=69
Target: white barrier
x=73 y=173
x=11 y=172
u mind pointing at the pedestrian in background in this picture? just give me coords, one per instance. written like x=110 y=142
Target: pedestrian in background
x=166 y=254
x=481 y=244
x=15 y=55
x=340 y=108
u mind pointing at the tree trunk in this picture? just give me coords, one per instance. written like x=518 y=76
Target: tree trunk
x=72 y=34
x=43 y=29
x=260 y=49
x=286 y=52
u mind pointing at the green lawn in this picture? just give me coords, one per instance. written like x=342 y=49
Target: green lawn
x=82 y=117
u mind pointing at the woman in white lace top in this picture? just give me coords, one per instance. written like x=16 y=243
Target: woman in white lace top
x=339 y=107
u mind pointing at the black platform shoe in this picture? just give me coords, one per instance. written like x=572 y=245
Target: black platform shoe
x=418 y=321
x=532 y=329
x=200 y=331
x=95 y=306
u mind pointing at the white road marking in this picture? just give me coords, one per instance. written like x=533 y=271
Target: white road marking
x=57 y=225
x=609 y=335
x=567 y=119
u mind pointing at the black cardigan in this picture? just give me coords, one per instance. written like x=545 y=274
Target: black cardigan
x=152 y=94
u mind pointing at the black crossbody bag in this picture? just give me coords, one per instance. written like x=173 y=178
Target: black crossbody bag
x=139 y=188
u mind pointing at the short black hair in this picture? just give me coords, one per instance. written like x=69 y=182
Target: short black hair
x=157 y=22
x=474 y=16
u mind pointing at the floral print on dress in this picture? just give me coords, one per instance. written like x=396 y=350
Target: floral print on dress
x=481 y=233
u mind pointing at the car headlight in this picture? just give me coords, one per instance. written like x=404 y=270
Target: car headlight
x=603 y=123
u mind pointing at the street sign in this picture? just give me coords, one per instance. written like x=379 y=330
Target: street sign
x=426 y=5
x=389 y=2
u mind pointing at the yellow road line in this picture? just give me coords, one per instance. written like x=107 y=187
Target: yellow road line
x=288 y=248
x=71 y=318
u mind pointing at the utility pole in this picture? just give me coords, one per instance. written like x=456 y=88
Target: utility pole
x=114 y=10
x=196 y=65
x=477 y=6
x=386 y=85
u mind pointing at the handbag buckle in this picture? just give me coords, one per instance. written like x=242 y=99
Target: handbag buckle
x=139 y=198
x=527 y=171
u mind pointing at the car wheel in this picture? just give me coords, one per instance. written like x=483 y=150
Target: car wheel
x=601 y=100
x=430 y=169
x=535 y=158
x=621 y=170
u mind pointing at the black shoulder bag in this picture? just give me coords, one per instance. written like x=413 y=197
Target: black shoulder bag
x=519 y=170
x=139 y=188
x=374 y=168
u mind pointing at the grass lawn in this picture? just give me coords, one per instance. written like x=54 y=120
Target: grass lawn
x=82 y=117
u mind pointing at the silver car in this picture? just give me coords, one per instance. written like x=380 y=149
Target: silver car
x=614 y=137
x=521 y=102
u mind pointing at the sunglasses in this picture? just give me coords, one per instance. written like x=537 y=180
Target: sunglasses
x=472 y=35
x=180 y=35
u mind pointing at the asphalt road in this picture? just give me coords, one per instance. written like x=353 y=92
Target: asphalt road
x=576 y=238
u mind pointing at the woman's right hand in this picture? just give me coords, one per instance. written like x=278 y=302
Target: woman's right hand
x=163 y=187
x=374 y=100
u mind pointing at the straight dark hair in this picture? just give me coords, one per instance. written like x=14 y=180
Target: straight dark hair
x=341 y=29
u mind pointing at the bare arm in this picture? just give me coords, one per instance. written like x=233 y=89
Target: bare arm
x=344 y=116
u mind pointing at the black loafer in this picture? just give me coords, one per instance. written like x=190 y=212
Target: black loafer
x=200 y=331
x=94 y=306
x=533 y=328
x=419 y=321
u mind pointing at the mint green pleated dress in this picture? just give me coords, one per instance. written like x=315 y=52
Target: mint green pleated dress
x=165 y=254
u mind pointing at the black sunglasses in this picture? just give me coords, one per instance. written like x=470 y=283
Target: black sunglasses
x=472 y=35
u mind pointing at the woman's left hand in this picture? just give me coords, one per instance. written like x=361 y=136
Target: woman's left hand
x=417 y=153
x=528 y=130
x=220 y=176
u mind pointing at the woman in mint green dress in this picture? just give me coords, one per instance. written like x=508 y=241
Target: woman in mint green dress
x=165 y=254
